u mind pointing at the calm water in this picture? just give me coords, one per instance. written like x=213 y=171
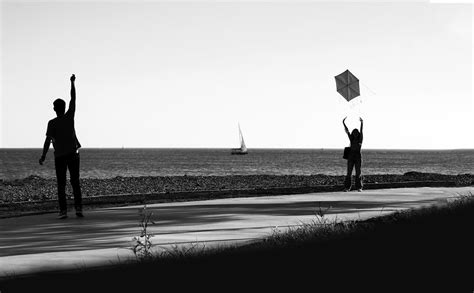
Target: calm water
x=107 y=163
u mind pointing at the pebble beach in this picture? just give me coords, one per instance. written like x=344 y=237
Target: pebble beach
x=34 y=188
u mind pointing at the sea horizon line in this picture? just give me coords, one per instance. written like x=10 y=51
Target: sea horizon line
x=256 y=148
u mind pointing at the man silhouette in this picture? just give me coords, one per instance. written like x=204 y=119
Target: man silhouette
x=66 y=151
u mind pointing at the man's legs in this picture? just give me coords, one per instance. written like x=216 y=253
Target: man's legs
x=61 y=169
x=348 y=181
x=73 y=165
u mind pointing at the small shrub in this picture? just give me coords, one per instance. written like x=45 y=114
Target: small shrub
x=142 y=243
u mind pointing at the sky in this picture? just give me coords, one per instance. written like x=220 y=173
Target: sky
x=184 y=74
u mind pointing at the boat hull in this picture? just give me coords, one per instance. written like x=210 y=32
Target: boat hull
x=238 y=152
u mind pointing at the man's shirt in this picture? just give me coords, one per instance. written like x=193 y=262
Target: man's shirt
x=61 y=130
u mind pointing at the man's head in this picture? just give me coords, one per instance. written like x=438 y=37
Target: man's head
x=59 y=107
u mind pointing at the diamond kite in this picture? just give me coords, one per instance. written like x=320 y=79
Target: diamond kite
x=347 y=85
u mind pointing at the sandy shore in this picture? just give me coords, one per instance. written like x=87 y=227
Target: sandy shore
x=35 y=188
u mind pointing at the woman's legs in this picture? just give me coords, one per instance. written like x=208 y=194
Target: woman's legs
x=348 y=181
x=358 y=179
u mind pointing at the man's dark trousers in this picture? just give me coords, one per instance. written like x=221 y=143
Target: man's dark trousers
x=62 y=163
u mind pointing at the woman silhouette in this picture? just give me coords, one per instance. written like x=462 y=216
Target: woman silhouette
x=355 y=157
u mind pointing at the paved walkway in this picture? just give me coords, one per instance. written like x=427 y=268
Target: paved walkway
x=41 y=242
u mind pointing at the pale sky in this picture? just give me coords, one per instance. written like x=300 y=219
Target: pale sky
x=184 y=74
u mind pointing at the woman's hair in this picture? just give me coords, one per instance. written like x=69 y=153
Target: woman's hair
x=355 y=133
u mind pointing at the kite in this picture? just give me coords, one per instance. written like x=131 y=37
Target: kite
x=347 y=85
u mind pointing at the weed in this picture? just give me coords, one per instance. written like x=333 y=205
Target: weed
x=142 y=243
x=183 y=251
x=319 y=226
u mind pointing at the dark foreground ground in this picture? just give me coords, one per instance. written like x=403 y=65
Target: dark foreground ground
x=427 y=250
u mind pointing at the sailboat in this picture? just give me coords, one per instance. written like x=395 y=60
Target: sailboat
x=243 y=149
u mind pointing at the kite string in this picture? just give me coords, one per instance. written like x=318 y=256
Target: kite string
x=357 y=108
x=367 y=87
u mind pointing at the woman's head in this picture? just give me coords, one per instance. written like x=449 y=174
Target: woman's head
x=355 y=133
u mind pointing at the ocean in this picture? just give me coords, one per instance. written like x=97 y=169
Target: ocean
x=109 y=163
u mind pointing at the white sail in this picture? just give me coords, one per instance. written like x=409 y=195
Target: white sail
x=242 y=142
x=243 y=149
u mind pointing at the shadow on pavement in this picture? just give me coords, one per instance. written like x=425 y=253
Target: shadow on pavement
x=115 y=227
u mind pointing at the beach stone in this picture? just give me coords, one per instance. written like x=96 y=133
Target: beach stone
x=35 y=188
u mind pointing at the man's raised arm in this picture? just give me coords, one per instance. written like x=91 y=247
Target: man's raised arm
x=72 y=103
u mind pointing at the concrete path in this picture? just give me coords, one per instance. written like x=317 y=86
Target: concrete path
x=36 y=243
